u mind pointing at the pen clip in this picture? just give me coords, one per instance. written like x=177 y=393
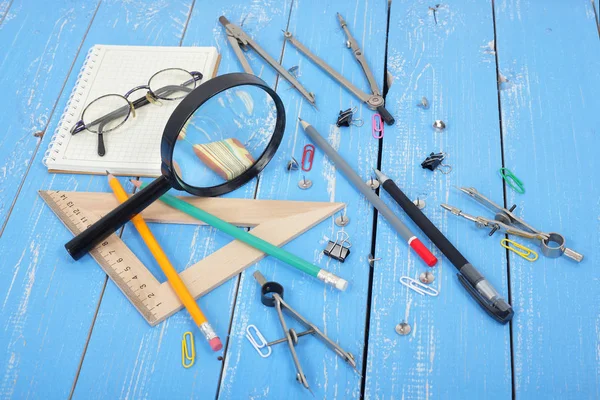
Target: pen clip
x=499 y=315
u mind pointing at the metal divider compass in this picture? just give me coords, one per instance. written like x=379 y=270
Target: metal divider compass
x=552 y=244
x=375 y=100
x=240 y=41
x=272 y=296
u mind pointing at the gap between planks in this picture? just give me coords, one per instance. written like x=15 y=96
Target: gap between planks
x=41 y=139
x=385 y=89
x=255 y=194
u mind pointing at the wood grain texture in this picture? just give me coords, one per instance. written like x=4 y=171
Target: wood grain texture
x=33 y=67
x=239 y=212
x=549 y=61
x=4 y=7
x=144 y=362
x=289 y=220
x=340 y=315
x=38 y=314
x=550 y=57
x=455 y=350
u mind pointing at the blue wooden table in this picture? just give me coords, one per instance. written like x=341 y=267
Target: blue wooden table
x=517 y=83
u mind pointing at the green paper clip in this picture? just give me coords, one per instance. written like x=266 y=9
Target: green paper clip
x=512 y=180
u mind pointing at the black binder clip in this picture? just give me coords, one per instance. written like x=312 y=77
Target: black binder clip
x=340 y=249
x=434 y=161
x=345 y=118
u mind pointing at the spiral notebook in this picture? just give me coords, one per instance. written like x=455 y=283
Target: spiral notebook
x=134 y=148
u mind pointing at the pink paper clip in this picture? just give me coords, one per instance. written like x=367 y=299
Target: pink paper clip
x=377 y=126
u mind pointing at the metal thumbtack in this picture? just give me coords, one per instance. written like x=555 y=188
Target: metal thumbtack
x=293 y=71
x=439 y=125
x=373 y=183
x=292 y=165
x=419 y=203
x=304 y=183
x=424 y=104
x=403 y=328
x=372 y=260
x=434 y=10
x=342 y=220
x=426 y=277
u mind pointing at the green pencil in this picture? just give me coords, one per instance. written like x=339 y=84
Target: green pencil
x=251 y=240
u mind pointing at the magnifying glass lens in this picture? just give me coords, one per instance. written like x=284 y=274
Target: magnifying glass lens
x=224 y=137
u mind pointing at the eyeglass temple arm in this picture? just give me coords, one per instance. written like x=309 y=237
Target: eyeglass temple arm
x=142 y=101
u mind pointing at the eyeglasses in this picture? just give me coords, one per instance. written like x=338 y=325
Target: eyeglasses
x=109 y=112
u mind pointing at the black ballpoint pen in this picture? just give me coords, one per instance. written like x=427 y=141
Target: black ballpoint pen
x=477 y=286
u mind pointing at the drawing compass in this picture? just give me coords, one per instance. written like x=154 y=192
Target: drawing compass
x=272 y=296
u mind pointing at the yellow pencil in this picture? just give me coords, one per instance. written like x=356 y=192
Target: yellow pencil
x=172 y=276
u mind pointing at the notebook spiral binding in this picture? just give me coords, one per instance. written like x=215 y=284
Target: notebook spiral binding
x=72 y=109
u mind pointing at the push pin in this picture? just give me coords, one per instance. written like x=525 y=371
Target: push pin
x=293 y=71
x=304 y=183
x=426 y=277
x=342 y=220
x=439 y=125
x=419 y=203
x=403 y=328
x=340 y=249
x=292 y=165
x=424 y=104
x=371 y=259
x=373 y=183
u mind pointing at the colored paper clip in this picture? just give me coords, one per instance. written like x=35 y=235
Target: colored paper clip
x=260 y=344
x=511 y=180
x=521 y=250
x=188 y=357
x=308 y=155
x=377 y=124
x=418 y=287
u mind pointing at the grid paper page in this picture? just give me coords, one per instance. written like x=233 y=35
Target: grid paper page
x=134 y=146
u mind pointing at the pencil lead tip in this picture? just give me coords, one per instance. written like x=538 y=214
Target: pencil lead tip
x=300 y=119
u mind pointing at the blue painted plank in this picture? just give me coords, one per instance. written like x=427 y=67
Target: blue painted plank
x=455 y=350
x=140 y=361
x=38 y=316
x=51 y=300
x=33 y=67
x=340 y=314
x=4 y=7
x=551 y=58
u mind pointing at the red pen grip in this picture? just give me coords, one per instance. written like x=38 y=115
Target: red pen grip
x=423 y=252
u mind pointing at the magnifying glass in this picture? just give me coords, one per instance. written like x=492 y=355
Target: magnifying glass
x=221 y=135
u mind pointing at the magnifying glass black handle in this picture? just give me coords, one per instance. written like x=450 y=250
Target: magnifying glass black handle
x=86 y=240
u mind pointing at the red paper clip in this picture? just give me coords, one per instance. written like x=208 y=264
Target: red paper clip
x=377 y=126
x=308 y=155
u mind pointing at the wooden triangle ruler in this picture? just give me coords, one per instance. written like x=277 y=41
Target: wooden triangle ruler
x=275 y=221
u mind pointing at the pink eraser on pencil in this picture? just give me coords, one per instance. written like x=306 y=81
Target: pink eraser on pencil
x=423 y=252
x=215 y=344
